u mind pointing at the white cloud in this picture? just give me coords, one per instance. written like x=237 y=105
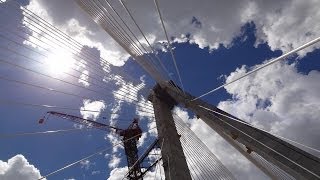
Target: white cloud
x=18 y=168
x=142 y=139
x=275 y=22
x=112 y=136
x=118 y=173
x=94 y=106
x=86 y=164
x=127 y=92
x=280 y=100
x=144 y=108
x=277 y=99
x=84 y=78
x=86 y=32
x=114 y=162
x=202 y=21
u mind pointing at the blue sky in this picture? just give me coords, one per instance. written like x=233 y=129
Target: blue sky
x=203 y=64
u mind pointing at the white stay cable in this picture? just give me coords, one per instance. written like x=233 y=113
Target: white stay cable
x=145 y=38
x=282 y=57
x=39 y=132
x=169 y=44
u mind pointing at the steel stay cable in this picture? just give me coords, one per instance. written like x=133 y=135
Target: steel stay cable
x=130 y=39
x=42 y=87
x=195 y=173
x=282 y=57
x=8 y=102
x=200 y=154
x=116 y=30
x=276 y=171
x=169 y=43
x=152 y=49
x=127 y=27
x=57 y=91
x=68 y=38
x=98 y=21
x=75 y=52
x=194 y=163
x=12 y=102
x=140 y=110
x=116 y=25
x=204 y=151
x=195 y=140
x=42 y=41
x=139 y=59
x=89 y=156
x=39 y=132
x=318 y=176
x=64 y=72
x=191 y=154
x=42 y=74
x=41 y=19
x=113 y=19
x=47 y=56
x=141 y=62
x=261 y=129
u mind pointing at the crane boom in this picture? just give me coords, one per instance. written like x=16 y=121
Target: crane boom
x=83 y=121
x=130 y=137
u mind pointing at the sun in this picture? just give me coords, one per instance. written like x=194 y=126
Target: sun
x=60 y=62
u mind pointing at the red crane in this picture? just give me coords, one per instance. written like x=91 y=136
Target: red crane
x=130 y=137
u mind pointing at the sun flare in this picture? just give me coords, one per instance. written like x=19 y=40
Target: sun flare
x=60 y=62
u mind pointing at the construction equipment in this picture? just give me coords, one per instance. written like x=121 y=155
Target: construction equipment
x=130 y=137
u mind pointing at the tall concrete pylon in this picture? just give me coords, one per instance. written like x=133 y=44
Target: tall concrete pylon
x=174 y=161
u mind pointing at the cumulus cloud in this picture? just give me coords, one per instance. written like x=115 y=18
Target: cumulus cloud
x=278 y=99
x=142 y=139
x=114 y=162
x=199 y=23
x=84 y=77
x=127 y=92
x=86 y=164
x=88 y=104
x=76 y=24
x=17 y=168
